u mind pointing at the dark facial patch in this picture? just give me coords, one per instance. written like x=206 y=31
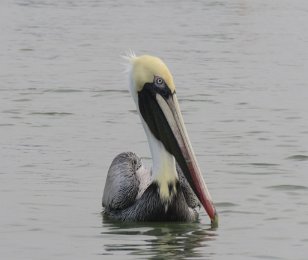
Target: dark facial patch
x=154 y=116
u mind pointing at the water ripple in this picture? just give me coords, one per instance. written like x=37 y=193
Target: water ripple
x=242 y=212
x=298 y=157
x=63 y=90
x=264 y=164
x=287 y=187
x=52 y=113
x=225 y=204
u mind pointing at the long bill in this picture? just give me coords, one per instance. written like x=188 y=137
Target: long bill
x=169 y=128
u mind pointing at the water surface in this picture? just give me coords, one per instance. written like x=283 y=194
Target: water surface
x=240 y=68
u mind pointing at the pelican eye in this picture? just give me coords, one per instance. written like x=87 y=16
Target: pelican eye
x=159 y=81
x=161 y=86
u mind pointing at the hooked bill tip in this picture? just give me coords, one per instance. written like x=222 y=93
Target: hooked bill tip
x=214 y=221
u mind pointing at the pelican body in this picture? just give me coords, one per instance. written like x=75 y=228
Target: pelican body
x=173 y=188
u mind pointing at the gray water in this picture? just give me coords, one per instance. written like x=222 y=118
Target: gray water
x=241 y=71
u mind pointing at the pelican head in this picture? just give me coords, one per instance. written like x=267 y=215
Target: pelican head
x=154 y=93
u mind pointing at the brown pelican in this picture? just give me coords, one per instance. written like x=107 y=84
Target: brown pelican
x=168 y=191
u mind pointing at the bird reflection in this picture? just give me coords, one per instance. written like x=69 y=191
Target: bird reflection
x=157 y=240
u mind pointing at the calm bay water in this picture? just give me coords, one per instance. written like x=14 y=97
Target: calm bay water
x=240 y=68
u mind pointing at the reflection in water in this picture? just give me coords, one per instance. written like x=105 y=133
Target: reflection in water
x=160 y=239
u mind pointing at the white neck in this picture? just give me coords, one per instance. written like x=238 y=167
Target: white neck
x=164 y=167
